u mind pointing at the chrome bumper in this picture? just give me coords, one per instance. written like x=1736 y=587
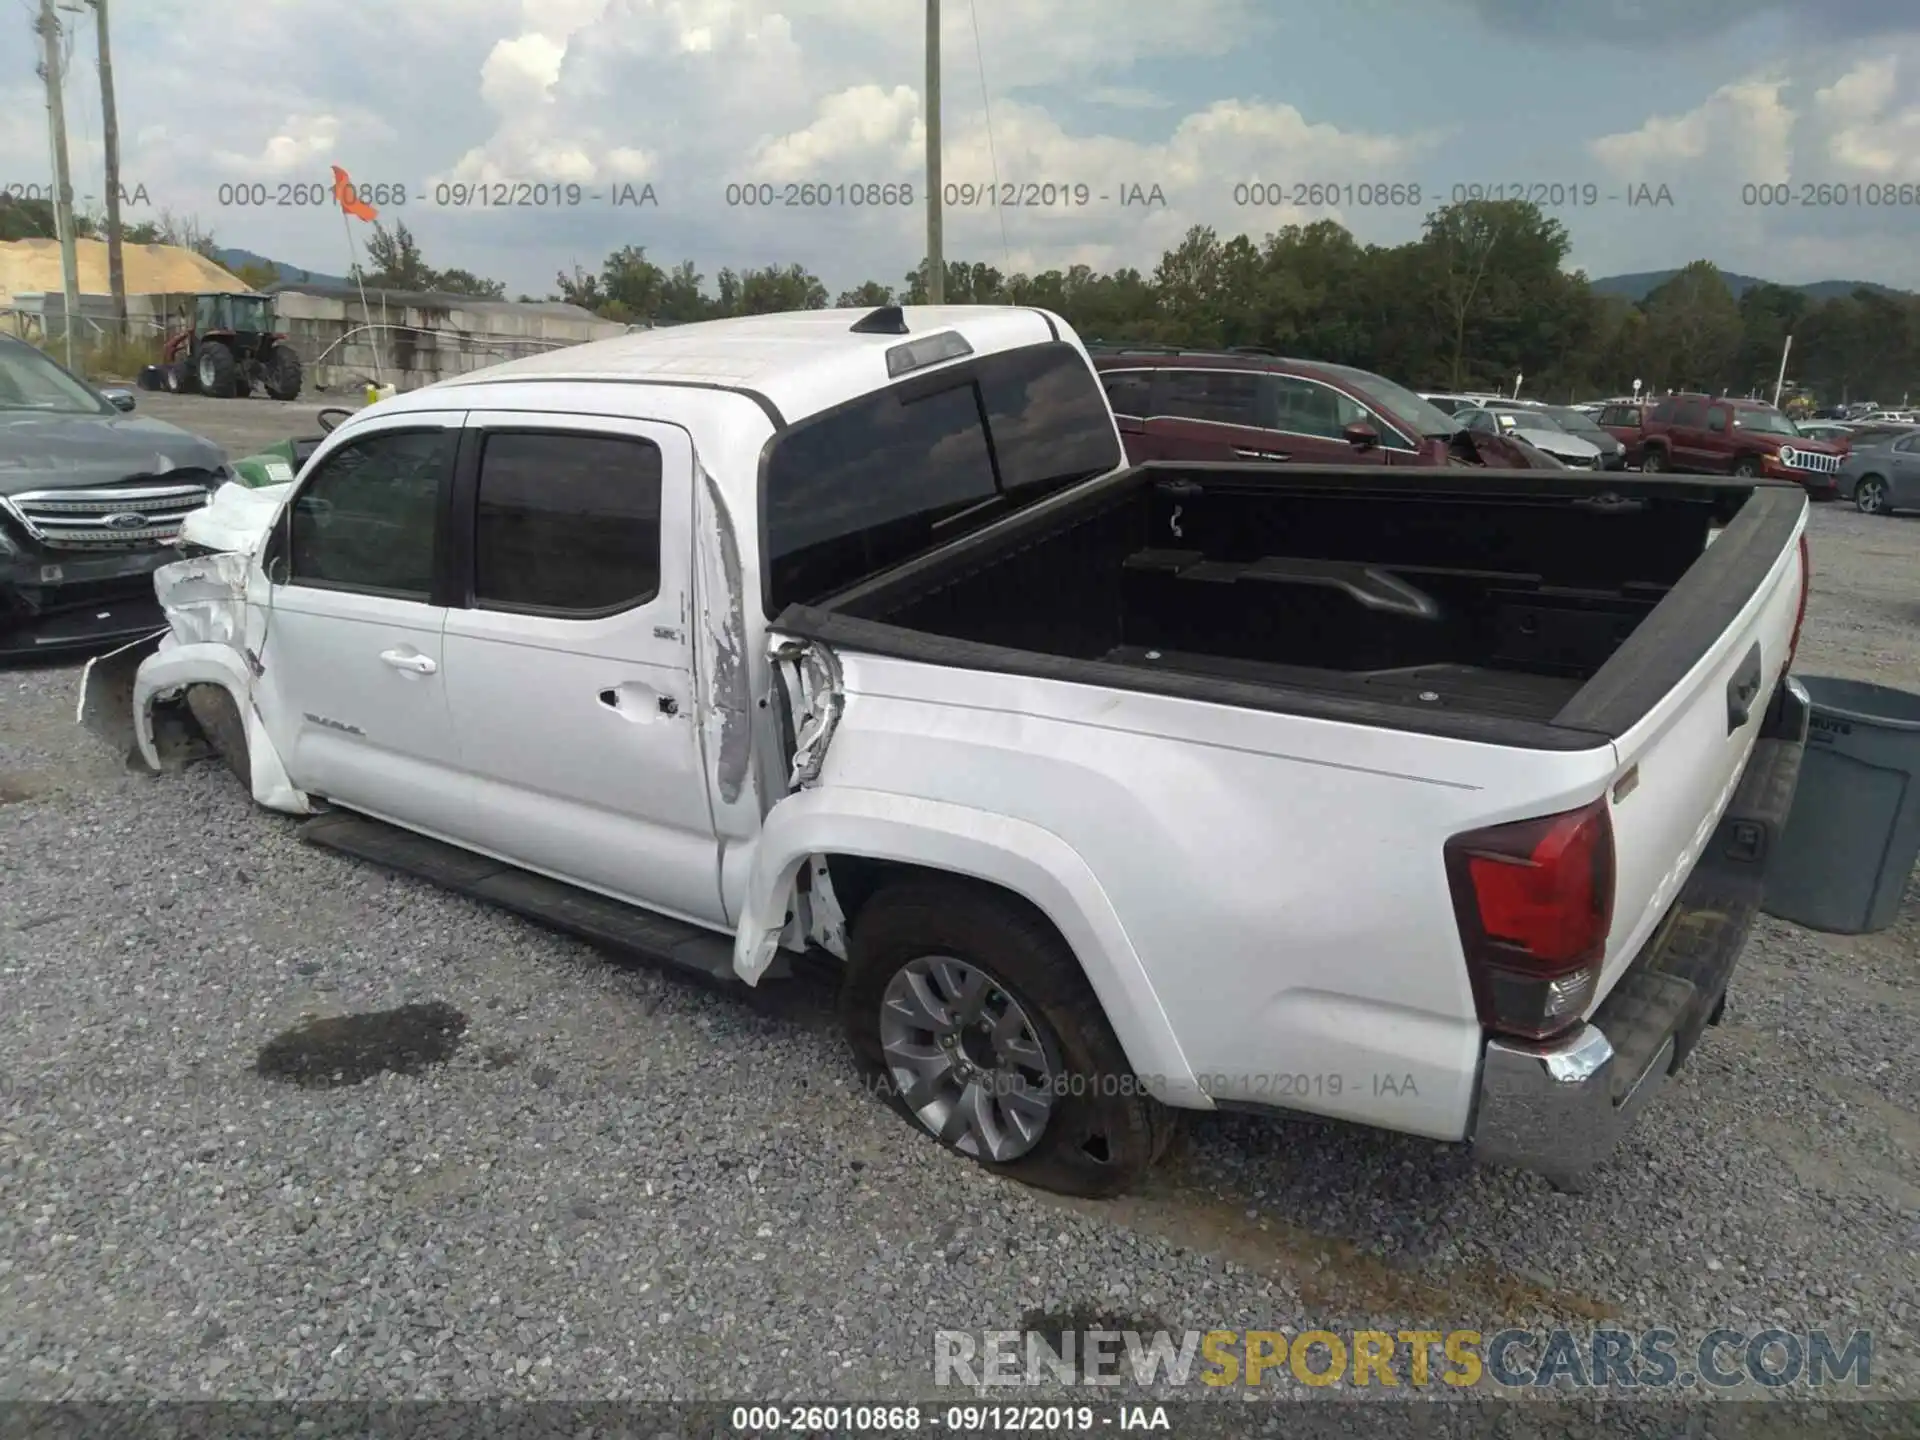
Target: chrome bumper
x=1560 y=1106
x=1550 y=1107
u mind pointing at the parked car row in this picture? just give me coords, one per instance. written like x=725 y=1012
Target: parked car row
x=1239 y=405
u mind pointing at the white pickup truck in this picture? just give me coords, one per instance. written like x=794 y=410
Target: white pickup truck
x=1434 y=800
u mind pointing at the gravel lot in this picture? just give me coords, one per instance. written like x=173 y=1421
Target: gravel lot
x=620 y=1186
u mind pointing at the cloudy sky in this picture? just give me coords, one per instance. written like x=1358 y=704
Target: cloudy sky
x=1725 y=103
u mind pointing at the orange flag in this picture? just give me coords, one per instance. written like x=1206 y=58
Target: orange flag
x=349 y=202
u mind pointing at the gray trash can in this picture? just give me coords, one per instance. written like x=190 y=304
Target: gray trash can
x=1854 y=830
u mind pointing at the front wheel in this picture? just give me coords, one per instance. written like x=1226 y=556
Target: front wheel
x=1746 y=467
x=1870 y=496
x=1653 y=462
x=283 y=373
x=974 y=1020
x=216 y=369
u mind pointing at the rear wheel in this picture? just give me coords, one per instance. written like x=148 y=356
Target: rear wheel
x=283 y=373
x=974 y=1020
x=1870 y=496
x=216 y=369
x=1654 y=461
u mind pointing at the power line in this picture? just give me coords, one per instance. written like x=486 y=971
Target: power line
x=993 y=160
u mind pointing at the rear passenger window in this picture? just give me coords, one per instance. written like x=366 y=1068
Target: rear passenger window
x=567 y=523
x=366 y=519
x=1129 y=392
x=1244 y=397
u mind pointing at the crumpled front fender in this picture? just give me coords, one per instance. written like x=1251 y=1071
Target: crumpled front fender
x=169 y=671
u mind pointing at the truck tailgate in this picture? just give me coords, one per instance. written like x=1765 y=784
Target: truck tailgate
x=1679 y=764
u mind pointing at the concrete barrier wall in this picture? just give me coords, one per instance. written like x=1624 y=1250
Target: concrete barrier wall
x=344 y=345
x=341 y=346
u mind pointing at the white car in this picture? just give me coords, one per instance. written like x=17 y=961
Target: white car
x=1533 y=425
x=1111 y=790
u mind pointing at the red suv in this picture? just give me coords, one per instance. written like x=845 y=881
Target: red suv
x=1237 y=405
x=1705 y=434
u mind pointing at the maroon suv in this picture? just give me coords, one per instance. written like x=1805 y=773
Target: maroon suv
x=1235 y=405
x=1706 y=434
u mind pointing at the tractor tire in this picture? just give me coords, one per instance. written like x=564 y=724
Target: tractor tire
x=283 y=373
x=216 y=370
x=175 y=378
x=242 y=383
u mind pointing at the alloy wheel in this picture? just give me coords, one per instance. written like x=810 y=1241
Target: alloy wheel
x=1870 y=498
x=967 y=1058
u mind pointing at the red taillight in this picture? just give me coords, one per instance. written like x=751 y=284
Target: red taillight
x=1800 y=615
x=1534 y=903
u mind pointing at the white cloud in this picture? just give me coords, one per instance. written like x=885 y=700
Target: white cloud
x=689 y=95
x=1867 y=132
x=1747 y=125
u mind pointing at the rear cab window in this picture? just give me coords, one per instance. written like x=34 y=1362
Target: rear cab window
x=895 y=473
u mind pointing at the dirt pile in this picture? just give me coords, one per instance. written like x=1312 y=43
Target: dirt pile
x=32 y=266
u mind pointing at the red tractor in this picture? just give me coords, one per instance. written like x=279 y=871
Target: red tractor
x=228 y=347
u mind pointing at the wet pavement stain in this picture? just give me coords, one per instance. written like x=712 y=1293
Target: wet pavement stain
x=1333 y=1276
x=1065 y=1332
x=17 y=787
x=350 y=1049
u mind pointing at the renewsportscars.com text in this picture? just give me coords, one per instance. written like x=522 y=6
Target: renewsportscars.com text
x=1505 y=1360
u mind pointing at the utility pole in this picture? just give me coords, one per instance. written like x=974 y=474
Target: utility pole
x=110 y=136
x=49 y=28
x=936 y=257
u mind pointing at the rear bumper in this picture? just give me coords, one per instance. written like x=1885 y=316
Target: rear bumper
x=1560 y=1107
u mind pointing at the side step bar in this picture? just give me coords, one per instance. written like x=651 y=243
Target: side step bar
x=704 y=956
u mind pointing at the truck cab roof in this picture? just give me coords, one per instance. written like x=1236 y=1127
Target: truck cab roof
x=790 y=365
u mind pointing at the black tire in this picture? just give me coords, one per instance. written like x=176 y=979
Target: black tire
x=1746 y=467
x=219 y=719
x=1104 y=1132
x=216 y=369
x=173 y=378
x=1653 y=461
x=283 y=373
x=1870 y=496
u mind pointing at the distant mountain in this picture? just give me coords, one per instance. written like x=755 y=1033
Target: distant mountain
x=1637 y=287
x=232 y=259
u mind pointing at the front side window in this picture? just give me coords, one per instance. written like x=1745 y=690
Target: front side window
x=892 y=474
x=1310 y=408
x=367 y=517
x=567 y=523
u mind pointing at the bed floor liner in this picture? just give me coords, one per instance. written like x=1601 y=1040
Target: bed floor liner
x=1508 y=694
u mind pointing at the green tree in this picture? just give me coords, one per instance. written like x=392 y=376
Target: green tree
x=1693 y=328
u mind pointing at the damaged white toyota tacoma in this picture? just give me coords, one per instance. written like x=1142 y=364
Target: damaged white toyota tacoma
x=1437 y=800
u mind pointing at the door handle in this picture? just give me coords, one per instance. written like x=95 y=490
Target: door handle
x=1263 y=454
x=408 y=661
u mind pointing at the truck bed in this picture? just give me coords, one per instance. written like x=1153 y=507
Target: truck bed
x=1532 y=606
